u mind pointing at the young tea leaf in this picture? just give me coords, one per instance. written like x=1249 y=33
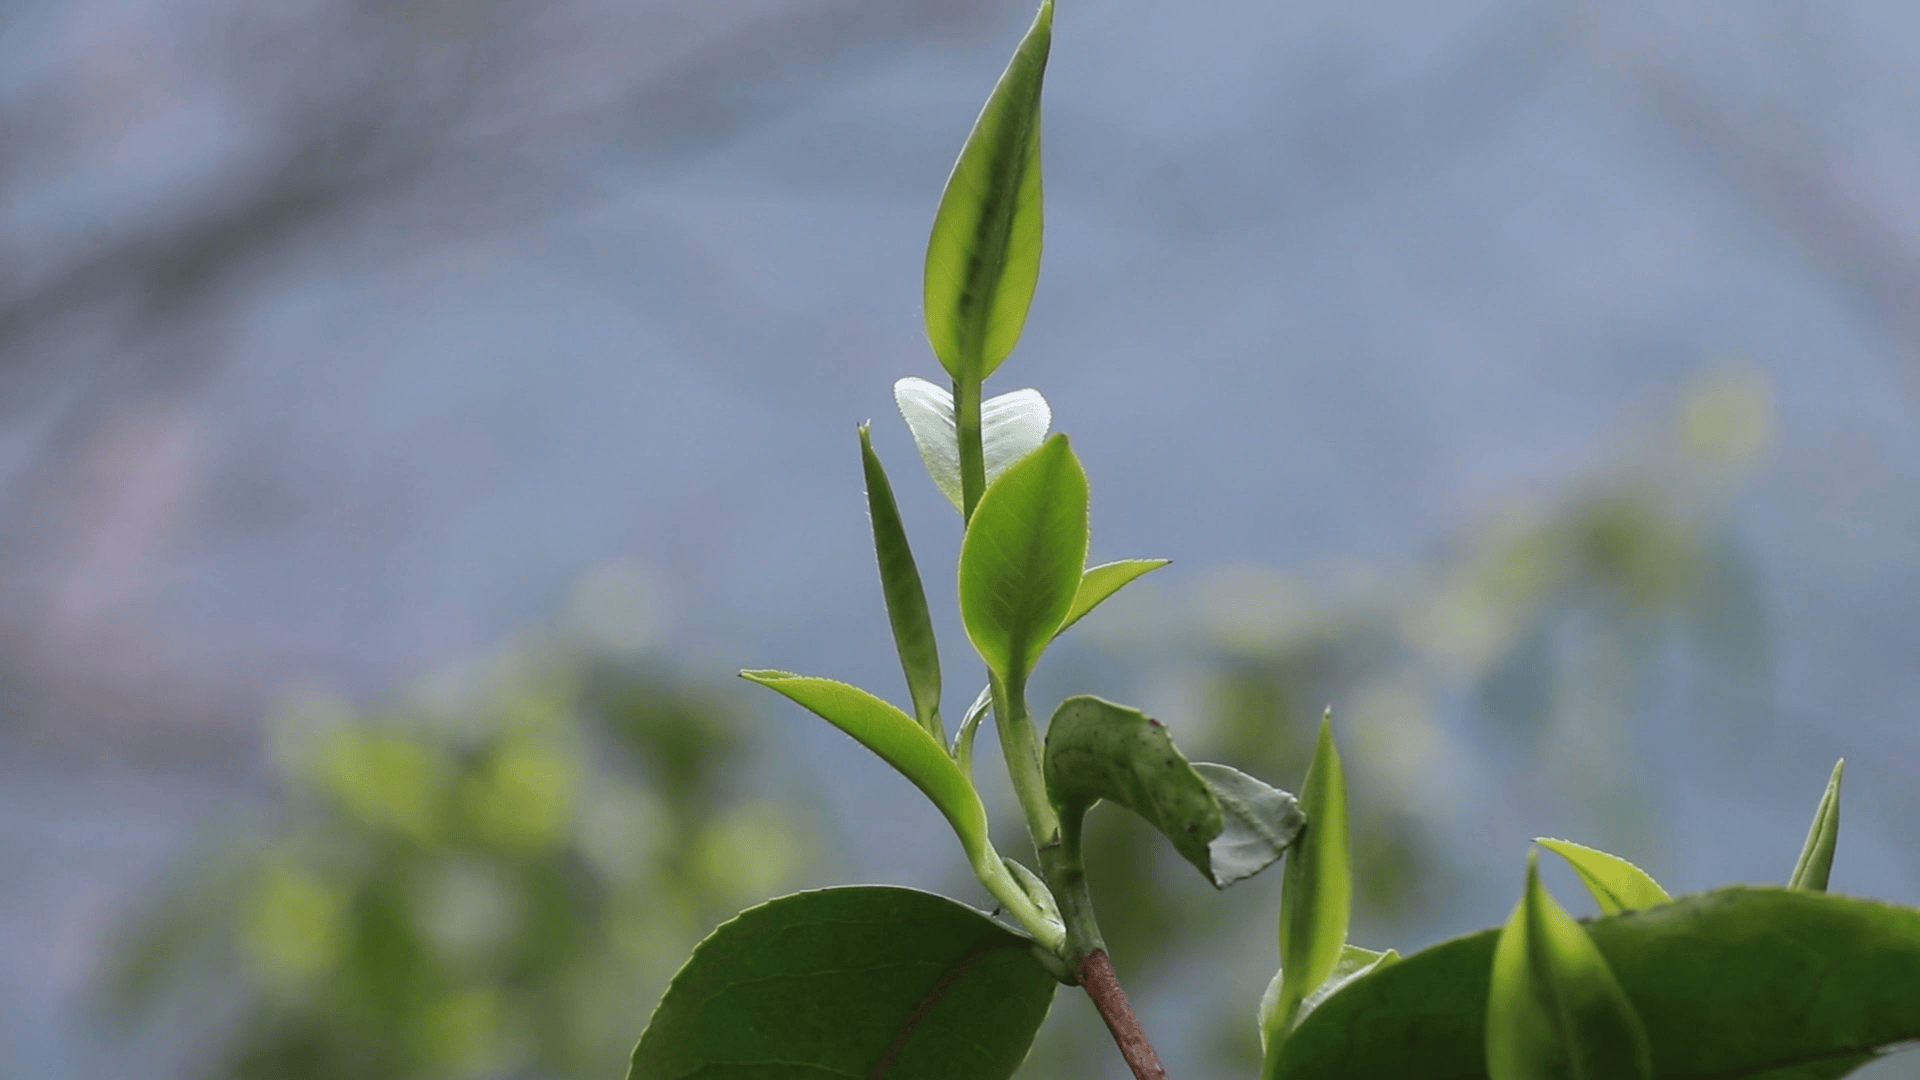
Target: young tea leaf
x=1011 y=427
x=1021 y=560
x=1816 y=858
x=1355 y=962
x=900 y=742
x=1100 y=582
x=1615 y=883
x=1316 y=888
x=970 y=726
x=983 y=258
x=906 y=599
x=1224 y=822
x=1735 y=984
x=872 y=981
x=1554 y=1009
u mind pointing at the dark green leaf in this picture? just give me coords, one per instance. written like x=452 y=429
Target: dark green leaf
x=906 y=599
x=1816 y=858
x=1011 y=427
x=1554 y=1010
x=983 y=258
x=1729 y=985
x=1021 y=560
x=1615 y=883
x=899 y=741
x=1316 y=888
x=870 y=982
x=1223 y=821
x=1100 y=582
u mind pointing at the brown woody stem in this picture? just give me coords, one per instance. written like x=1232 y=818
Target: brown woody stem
x=1103 y=986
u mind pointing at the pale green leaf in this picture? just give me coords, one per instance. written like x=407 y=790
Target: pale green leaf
x=1316 y=889
x=900 y=742
x=1012 y=426
x=1554 y=1009
x=1100 y=582
x=1021 y=560
x=983 y=258
x=1615 y=883
x=970 y=726
x=1816 y=858
x=906 y=598
x=1355 y=962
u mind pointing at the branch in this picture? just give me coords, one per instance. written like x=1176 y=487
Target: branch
x=1103 y=986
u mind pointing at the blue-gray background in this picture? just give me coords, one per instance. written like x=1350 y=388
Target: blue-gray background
x=340 y=339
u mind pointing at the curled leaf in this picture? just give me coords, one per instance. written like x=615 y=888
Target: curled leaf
x=906 y=598
x=1316 y=889
x=1354 y=963
x=1816 y=858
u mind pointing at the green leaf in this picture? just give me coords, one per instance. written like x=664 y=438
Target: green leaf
x=1554 y=1009
x=1617 y=884
x=906 y=599
x=983 y=258
x=870 y=982
x=1021 y=560
x=899 y=741
x=1223 y=821
x=1316 y=889
x=1735 y=984
x=1011 y=427
x=1816 y=858
x=1355 y=962
x=1100 y=582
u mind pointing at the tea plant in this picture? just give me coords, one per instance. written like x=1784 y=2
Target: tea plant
x=1783 y=983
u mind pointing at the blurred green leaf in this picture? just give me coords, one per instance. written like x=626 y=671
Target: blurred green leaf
x=983 y=258
x=899 y=741
x=906 y=599
x=1316 y=888
x=1225 y=823
x=1734 y=984
x=1011 y=427
x=1021 y=560
x=1816 y=858
x=868 y=981
x=1615 y=883
x=1100 y=582
x=1554 y=1009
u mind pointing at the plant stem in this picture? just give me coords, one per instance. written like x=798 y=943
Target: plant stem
x=973 y=461
x=1022 y=750
x=1103 y=986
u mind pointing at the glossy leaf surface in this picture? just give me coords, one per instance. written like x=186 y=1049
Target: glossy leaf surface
x=983 y=258
x=870 y=982
x=1316 y=888
x=1816 y=858
x=1354 y=963
x=1735 y=984
x=893 y=735
x=1021 y=560
x=1554 y=1009
x=969 y=727
x=1226 y=823
x=1616 y=884
x=1011 y=426
x=906 y=597
x=1100 y=582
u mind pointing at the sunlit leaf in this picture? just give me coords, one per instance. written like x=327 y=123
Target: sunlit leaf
x=871 y=982
x=983 y=258
x=1224 y=822
x=1011 y=427
x=1816 y=858
x=1100 y=582
x=1735 y=984
x=1615 y=883
x=906 y=598
x=1554 y=1009
x=1316 y=888
x=1021 y=561
x=899 y=741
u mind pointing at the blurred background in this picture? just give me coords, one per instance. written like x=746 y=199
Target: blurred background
x=412 y=413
